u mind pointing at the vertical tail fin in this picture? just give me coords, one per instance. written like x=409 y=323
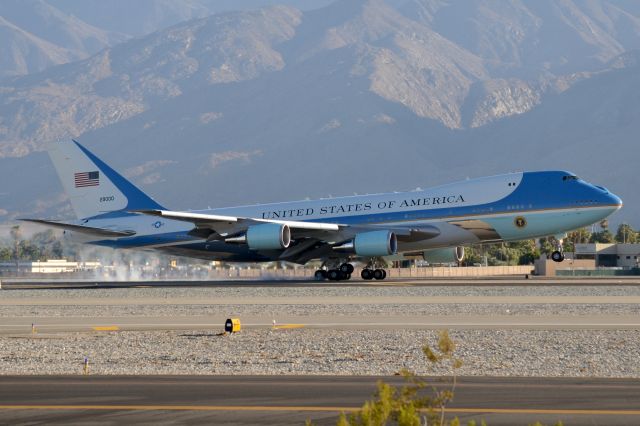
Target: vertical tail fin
x=93 y=187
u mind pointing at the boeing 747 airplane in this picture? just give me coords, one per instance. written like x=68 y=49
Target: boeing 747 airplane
x=434 y=224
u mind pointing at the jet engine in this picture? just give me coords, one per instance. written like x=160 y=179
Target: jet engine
x=371 y=244
x=444 y=255
x=270 y=236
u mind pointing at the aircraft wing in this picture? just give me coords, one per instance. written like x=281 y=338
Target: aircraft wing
x=90 y=230
x=312 y=239
x=225 y=225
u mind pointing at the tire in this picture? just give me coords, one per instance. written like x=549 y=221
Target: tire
x=384 y=274
x=320 y=275
x=557 y=256
x=333 y=274
x=366 y=274
x=347 y=277
x=347 y=268
x=378 y=274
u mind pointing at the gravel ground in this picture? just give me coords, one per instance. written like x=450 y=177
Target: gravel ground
x=586 y=353
x=326 y=291
x=453 y=309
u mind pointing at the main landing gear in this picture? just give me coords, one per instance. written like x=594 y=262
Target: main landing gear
x=371 y=271
x=369 y=274
x=340 y=273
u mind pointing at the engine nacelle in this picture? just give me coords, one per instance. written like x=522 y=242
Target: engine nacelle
x=270 y=236
x=444 y=255
x=375 y=243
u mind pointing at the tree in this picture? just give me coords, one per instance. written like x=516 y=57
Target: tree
x=604 y=236
x=6 y=254
x=473 y=255
x=513 y=253
x=579 y=236
x=547 y=245
x=527 y=251
x=626 y=234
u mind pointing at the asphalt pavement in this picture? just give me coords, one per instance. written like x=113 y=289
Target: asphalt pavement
x=507 y=280
x=291 y=400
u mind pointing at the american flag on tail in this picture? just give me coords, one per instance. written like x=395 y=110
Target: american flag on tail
x=84 y=179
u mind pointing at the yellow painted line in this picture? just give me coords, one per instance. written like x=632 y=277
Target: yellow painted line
x=305 y=408
x=106 y=328
x=542 y=411
x=286 y=326
x=175 y=408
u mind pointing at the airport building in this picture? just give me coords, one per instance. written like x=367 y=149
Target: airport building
x=594 y=259
x=49 y=266
x=610 y=255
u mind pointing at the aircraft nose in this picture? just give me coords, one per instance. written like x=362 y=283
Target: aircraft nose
x=615 y=200
x=608 y=198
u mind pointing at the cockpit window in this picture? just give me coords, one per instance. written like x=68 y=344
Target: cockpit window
x=570 y=177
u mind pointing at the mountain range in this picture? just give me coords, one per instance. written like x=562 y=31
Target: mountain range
x=353 y=96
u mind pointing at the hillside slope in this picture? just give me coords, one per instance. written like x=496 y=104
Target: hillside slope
x=358 y=96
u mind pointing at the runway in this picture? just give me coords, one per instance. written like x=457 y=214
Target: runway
x=44 y=325
x=30 y=283
x=290 y=400
x=506 y=304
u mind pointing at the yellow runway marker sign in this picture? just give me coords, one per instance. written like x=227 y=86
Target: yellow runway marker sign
x=106 y=328
x=287 y=326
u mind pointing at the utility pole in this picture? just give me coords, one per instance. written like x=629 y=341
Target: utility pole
x=15 y=233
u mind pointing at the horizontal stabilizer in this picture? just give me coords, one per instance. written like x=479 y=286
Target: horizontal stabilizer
x=90 y=230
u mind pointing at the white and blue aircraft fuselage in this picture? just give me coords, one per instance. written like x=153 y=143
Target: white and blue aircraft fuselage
x=434 y=223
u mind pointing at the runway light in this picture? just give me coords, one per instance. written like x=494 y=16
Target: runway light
x=33 y=328
x=232 y=325
x=85 y=369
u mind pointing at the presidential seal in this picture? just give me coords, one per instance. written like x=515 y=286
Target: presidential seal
x=520 y=222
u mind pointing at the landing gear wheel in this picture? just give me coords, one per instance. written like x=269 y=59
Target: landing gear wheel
x=320 y=275
x=347 y=268
x=347 y=277
x=366 y=274
x=557 y=256
x=333 y=274
x=384 y=274
x=379 y=274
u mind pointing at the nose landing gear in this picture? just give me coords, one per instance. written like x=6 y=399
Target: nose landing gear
x=558 y=254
